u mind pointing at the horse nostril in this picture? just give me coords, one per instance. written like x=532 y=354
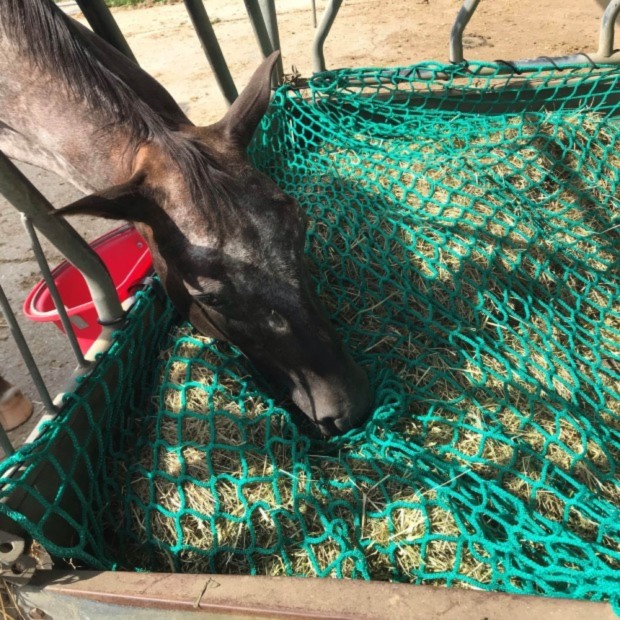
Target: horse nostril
x=328 y=427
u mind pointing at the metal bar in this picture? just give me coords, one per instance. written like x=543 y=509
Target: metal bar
x=5 y=443
x=258 y=24
x=22 y=345
x=456 y=34
x=318 y=58
x=606 y=37
x=270 y=18
x=53 y=289
x=101 y=21
x=27 y=199
x=212 y=49
x=514 y=67
x=561 y=62
x=314 y=22
x=60 y=594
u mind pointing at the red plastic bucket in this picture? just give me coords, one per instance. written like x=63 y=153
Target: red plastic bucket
x=127 y=257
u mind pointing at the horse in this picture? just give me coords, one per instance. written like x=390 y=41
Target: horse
x=226 y=241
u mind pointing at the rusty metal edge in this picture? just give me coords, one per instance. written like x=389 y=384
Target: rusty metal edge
x=289 y=597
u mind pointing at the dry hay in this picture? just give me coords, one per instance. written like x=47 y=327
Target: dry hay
x=9 y=608
x=487 y=274
x=495 y=409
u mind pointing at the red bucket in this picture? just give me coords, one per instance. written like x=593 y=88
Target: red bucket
x=127 y=257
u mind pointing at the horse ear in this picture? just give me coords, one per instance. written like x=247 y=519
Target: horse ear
x=119 y=202
x=244 y=115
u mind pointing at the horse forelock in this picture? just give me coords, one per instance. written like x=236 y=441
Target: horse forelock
x=209 y=187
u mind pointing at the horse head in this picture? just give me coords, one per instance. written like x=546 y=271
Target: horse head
x=228 y=245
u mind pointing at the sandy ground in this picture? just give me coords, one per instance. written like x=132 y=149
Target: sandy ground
x=367 y=32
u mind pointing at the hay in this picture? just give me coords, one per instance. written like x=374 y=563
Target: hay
x=9 y=609
x=215 y=490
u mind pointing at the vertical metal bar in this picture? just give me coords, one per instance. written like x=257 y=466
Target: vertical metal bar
x=606 y=37
x=211 y=47
x=53 y=289
x=331 y=10
x=258 y=24
x=101 y=21
x=27 y=199
x=270 y=18
x=314 y=22
x=5 y=443
x=456 y=34
x=22 y=345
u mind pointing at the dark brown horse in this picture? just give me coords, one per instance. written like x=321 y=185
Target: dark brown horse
x=226 y=241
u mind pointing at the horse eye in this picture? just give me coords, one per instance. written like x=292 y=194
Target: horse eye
x=213 y=301
x=277 y=323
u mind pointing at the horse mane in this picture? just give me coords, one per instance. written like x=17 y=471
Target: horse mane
x=50 y=40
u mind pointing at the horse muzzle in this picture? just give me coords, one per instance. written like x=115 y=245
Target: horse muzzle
x=336 y=404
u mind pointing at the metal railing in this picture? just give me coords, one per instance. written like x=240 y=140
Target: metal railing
x=37 y=214
x=604 y=54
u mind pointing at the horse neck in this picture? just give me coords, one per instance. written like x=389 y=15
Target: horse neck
x=43 y=123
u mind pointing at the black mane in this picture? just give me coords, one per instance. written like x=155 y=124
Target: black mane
x=53 y=43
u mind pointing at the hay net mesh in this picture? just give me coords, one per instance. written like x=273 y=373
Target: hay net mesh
x=465 y=237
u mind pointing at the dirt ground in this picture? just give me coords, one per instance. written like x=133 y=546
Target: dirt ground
x=366 y=32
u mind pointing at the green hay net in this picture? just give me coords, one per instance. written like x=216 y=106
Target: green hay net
x=465 y=237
